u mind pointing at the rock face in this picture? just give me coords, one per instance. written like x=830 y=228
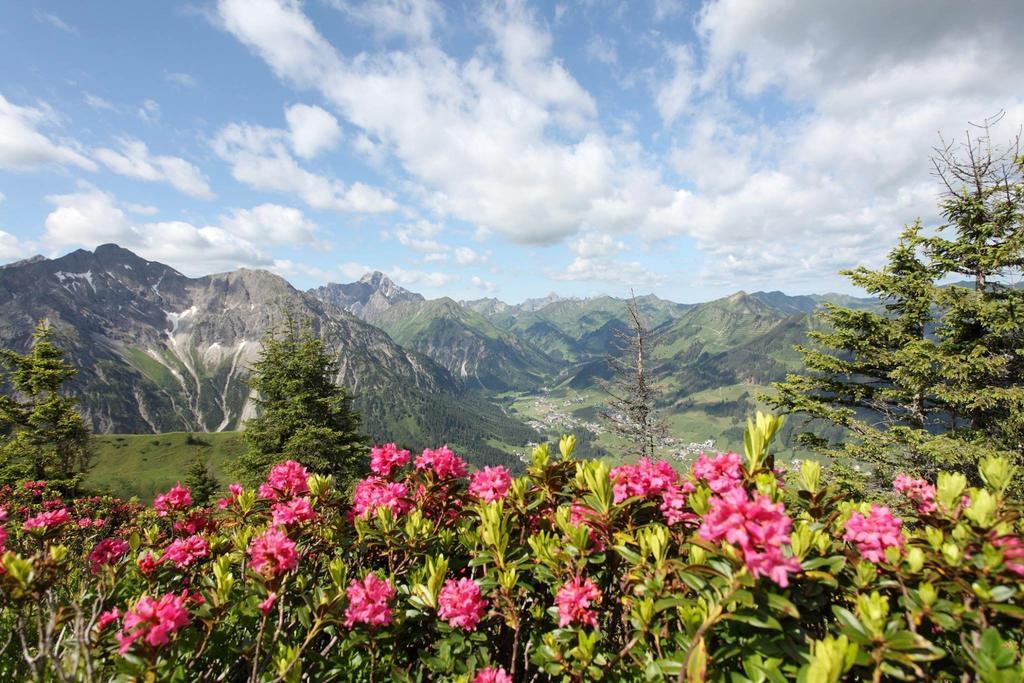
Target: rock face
x=368 y=298
x=158 y=351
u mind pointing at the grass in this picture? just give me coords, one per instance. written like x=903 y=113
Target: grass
x=140 y=465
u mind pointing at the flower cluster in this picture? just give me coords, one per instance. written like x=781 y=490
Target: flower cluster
x=177 y=498
x=47 y=520
x=444 y=463
x=461 y=604
x=722 y=473
x=368 y=602
x=490 y=674
x=574 y=600
x=285 y=480
x=272 y=553
x=645 y=478
x=106 y=552
x=918 y=490
x=154 y=620
x=183 y=552
x=758 y=527
x=294 y=511
x=490 y=483
x=375 y=492
x=875 y=533
x=385 y=459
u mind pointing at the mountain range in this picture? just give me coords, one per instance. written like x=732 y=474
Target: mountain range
x=159 y=351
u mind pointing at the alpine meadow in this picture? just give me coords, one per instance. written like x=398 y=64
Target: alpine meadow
x=513 y=342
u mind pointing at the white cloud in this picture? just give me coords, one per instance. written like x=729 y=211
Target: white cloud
x=135 y=161
x=23 y=147
x=181 y=79
x=673 y=96
x=141 y=209
x=272 y=224
x=259 y=158
x=410 y=278
x=11 y=248
x=312 y=129
x=89 y=217
x=485 y=285
x=56 y=22
x=464 y=256
x=607 y=270
x=150 y=111
x=414 y=20
x=98 y=103
x=665 y=9
x=602 y=50
x=420 y=236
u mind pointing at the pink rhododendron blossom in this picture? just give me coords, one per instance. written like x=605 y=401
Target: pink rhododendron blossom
x=285 y=479
x=490 y=483
x=645 y=478
x=147 y=564
x=295 y=511
x=84 y=523
x=490 y=674
x=268 y=604
x=34 y=486
x=234 y=491
x=917 y=490
x=178 y=497
x=376 y=492
x=574 y=600
x=3 y=539
x=444 y=463
x=722 y=473
x=107 y=618
x=674 y=501
x=107 y=551
x=154 y=620
x=461 y=604
x=758 y=527
x=874 y=534
x=184 y=552
x=47 y=520
x=272 y=553
x=581 y=515
x=1013 y=553
x=384 y=459
x=368 y=602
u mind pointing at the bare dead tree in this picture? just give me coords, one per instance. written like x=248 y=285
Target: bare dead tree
x=632 y=393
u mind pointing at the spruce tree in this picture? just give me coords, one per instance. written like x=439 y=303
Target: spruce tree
x=935 y=379
x=303 y=414
x=42 y=434
x=200 y=480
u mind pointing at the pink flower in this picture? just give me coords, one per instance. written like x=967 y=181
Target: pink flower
x=917 y=490
x=368 y=602
x=234 y=491
x=268 y=604
x=183 y=552
x=375 y=492
x=295 y=511
x=288 y=478
x=84 y=523
x=490 y=674
x=645 y=478
x=722 y=473
x=384 y=459
x=178 y=497
x=272 y=553
x=3 y=539
x=154 y=620
x=574 y=600
x=1013 y=553
x=461 y=604
x=674 y=501
x=107 y=618
x=581 y=515
x=446 y=465
x=874 y=534
x=758 y=527
x=195 y=523
x=107 y=551
x=47 y=520
x=490 y=483
x=147 y=564
x=34 y=486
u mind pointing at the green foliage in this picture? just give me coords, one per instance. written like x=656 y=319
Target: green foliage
x=936 y=379
x=303 y=414
x=200 y=480
x=42 y=434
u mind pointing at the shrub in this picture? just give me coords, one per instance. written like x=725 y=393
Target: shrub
x=732 y=572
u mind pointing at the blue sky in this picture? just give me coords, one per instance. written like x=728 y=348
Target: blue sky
x=507 y=149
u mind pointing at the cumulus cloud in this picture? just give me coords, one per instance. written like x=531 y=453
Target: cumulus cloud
x=411 y=278
x=134 y=160
x=312 y=130
x=24 y=147
x=11 y=248
x=414 y=20
x=673 y=96
x=260 y=158
x=272 y=224
x=485 y=285
x=90 y=216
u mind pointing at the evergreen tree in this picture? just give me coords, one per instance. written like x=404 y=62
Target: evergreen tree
x=303 y=414
x=200 y=480
x=936 y=379
x=42 y=434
